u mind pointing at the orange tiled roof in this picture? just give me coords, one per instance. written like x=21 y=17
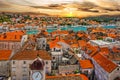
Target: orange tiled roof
x=53 y=45
x=105 y=63
x=104 y=50
x=80 y=35
x=85 y=64
x=12 y=36
x=82 y=43
x=31 y=55
x=74 y=46
x=93 y=37
x=97 y=30
x=115 y=49
x=45 y=33
x=92 y=50
x=5 y=54
x=68 y=77
x=60 y=32
x=112 y=35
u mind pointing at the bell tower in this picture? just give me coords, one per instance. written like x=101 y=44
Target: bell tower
x=37 y=69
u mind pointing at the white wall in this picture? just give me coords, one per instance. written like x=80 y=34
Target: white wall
x=115 y=74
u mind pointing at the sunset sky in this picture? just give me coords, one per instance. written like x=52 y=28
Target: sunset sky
x=78 y=8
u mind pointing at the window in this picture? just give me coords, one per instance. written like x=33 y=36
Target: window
x=14 y=77
x=118 y=69
x=13 y=62
x=24 y=62
x=24 y=77
x=46 y=62
x=24 y=69
x=53 y=57
x=54 y=49
x=12 y=46
x=43 y=41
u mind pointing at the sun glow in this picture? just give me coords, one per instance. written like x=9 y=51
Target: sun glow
x=69 y=12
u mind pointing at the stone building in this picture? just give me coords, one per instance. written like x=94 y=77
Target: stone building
x=11 y=40
x=21 y=61
x=87 y=68
x=5 y=63
x=41 y=43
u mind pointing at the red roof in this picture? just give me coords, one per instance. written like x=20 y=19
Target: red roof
x=86 y=64
x=82 y=43
x=105 y=63
x=31 y=55
x=12 y=36
x=68 y=77
x=116 y=49
x=5 y=54
x=104 y=50
x=74 y=46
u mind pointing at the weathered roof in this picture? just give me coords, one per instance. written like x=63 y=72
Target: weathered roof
x=12 y=36
x=105 y=63
x=5 y=54
x=68 y=77
x=31 y=55
x=86 y=64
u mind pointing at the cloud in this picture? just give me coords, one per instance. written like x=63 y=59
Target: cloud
x=4 y=4
x=51 y=6
x=62 y=7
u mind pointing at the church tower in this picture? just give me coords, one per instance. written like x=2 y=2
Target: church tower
x=37 y=70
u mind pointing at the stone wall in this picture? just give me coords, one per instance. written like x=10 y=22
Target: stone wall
x=4 y=68
x=68 y=69
x=10 y=45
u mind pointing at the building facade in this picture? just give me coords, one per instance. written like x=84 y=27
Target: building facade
x=20 y=64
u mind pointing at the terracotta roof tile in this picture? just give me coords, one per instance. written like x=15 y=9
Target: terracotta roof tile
x=82 y=43
x=5 y=54
x=104 y=50
x=31 y=55
x=85 y=64
x=116 y=49
x=74 y=46
x=53 y=45
x=105 y=63
x=12 y=36
x=68 y=77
